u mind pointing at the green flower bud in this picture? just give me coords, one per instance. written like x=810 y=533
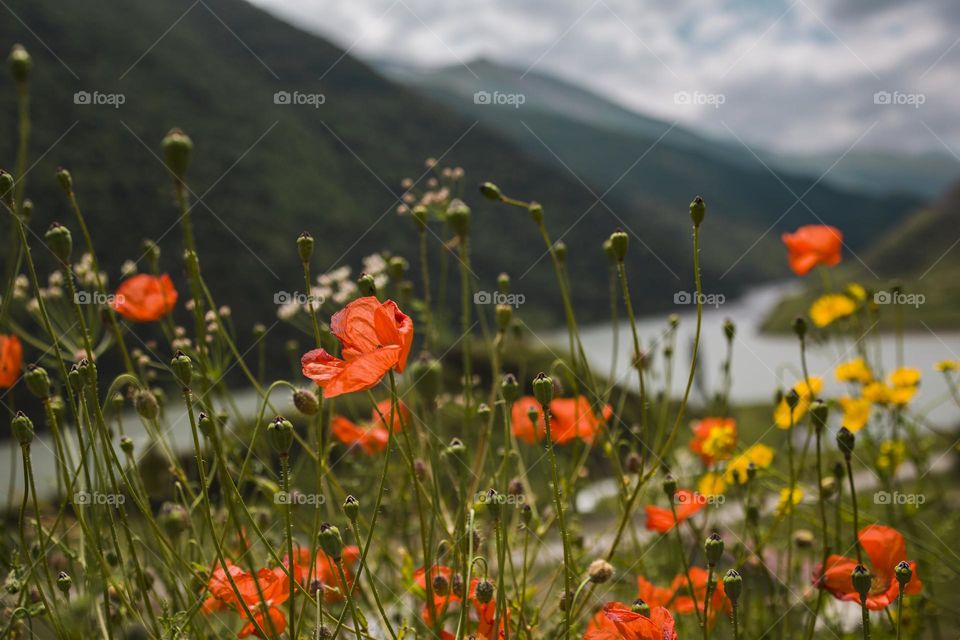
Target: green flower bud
x=65 y=180
x=6 y=188
x=903 y=572
x=713 y=548
x=126 y=445
x=543 y=389
x=560 y=251
x=491 y=191
x=862 y=579
x=608 y=251
x=503 y=283
x=641 y=607
x=733 y=585
x=208 y=427
x=20 y=64
x=177 y=149
x=493 y=501
x=526 y=514
x=483 y=411
x=729 y=329
x=420 y=215
x=146 y=404
x=182 y=368
x=22 y=428
x=60 y=242
x=37 y=381
x=845 y=442
x=75 y=379
x=305 y=246
x=64 y=582
x=351 y=508
x=330 y=541
x=698 y=209
x=619 y=241
x=792 y=398
x=819 y=411
x=174 y=518
x=280 y=435
x=397 y=266
x=800 y=327
x=536 y=211
x=306 y=402
x=669 y=486
x=458 y=215
x=367 y=285
x=510 y=388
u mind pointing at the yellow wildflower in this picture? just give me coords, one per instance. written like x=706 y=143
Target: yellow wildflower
x=759 y=454
x=903 y=382
x=712 y=484
x=947 y=365
x=856 y=412
x=786 y=503
x=891 y=455
x=807 y=390
x=857 y=292
x=877 y=392
x=855 y=370
x=831 y=307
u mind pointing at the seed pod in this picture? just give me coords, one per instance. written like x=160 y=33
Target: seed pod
x=306 y=402
x=146 y=404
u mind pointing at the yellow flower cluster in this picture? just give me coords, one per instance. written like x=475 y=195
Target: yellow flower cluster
x=898 y=389
x=807 y=391
x=787 y=502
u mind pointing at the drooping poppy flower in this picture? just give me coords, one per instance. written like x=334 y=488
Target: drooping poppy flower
x=376 y=337
x=687 y=503
x=371 y=437
x=440 y=600
x=714 y=439
x=145 y=298
x=811 y=245
x=324 y=570
x=570 y=418
x=11 y=360
x=886 y=548
x=487 y=614
x=618 y=621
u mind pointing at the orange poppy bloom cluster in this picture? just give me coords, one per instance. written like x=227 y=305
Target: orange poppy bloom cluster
x=375 y=337
x=264 y=592
x=687 y=503
x=443 y=575
x=371 y=437
x=678 y=598
x=886 y=548
x=812 y=245
x=714 y=439
x=145 y=298
x=617 y=621
x=11 y=360
x=569 y=418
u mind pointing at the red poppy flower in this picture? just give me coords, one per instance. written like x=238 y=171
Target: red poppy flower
x=683 y=602
x=219 y=586
x=440 y=600
x=486 y=614
x=654 y=596
x=886 y=548
x=811 y=245
x=569 y=418
x=687 y=503
x=145 y=298
x=324 y=570
x=273 y=584
x=714 y=439
x=376 y=337
x=11 y=360
x=618 y=621
x=373 y=436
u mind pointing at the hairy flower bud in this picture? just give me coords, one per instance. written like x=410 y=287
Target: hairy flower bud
x=305 y=246
x=280 y=435
x=330 y=541
x=306 y=402
x=182 y=368
x=484 y=591
x=22 y=428
x=146 y=404
x=543 y=389
x=599 y=571
x=20 y=64
x=491 y=191
x=60 y=241
x=713 y=548
x=510 y=388
x=845 y=442
x=37 y=381
x=733 y=585
x=619 y=241
x=862 y=579
x=698 y=210
x=177 y=149
x=351 y=508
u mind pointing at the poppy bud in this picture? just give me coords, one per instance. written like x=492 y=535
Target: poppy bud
x=330 y=541
x=177 y=148
x=503 y=283
x=608 y=251
x=698 y=209
x=729 y=329
x=441 y=586
x=903 y=573
x=351 y=508
x=182 y=369
x=493 y=502
x=458 y=215
x=306 y=402
x=515 y=487
x=398 y=265
x=75 y=378
x=20 y=63
x=60 y=241
x=510 y=388
x=619 y=241
x=565 y=598
x=819 y=411
x=65 y=180
x=713 y=548
x=634 y=462
x=174 y=518
x=751 y=471
x=427 y=374
x=126 y=445
x=207 y=425
x=305 y=246
x=483 y=411
x=64 y=582
x=22 y=428
x=792 y=398
x=484 y=591
x=536 y=211
x=280 y=435
x=491 y=191
x=37 y=381
x=526 y=514
x=6 y=188
x=669 y=486
x=367 y=285
x=456 y=449
x=845 y=442
x=862 y=579
x=599 y=571
x=543 y=389
x=419 y=213
x=800 y=327
x=146 y=404
x=560 y=250
x=504 y=314
x=732 y=585
x=641 y=607
x=420 y=469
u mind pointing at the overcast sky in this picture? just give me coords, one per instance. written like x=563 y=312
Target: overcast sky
x=792 y=75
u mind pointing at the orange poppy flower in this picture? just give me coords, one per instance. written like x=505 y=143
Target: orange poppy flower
x=145 y=298
x=440 y=600
x=11 y=360
x=486 y=614
x=372 y=437
x=811 y=245
x=618 y=621
x=376 y=337
x=569 y=418
x=273 y=584
x=714 y=439
x=220 y=589
x=687 y=503
x=324 y=570
x=683 y=601
x=886 y=548
x=653 y=595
